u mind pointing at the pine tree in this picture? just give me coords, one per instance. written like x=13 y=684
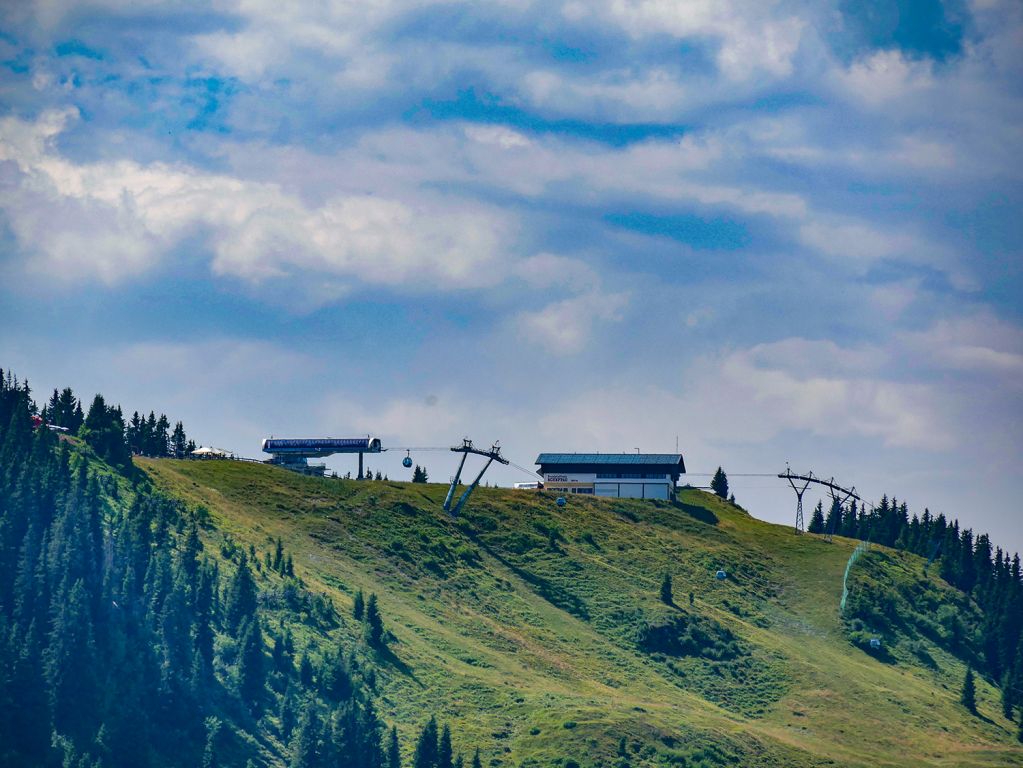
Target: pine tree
x=476 y=762
x=305 y=745
x=720 y=483
x=817 y=519
x=242 y=597
x=666 y=590
x=358 y=605
x=445 y=755
x=419 y=474
x=209 y=755
x=1007 y=698
x=305 y=672
x=427 y=747
x=71 y=665
x=374 y=623
x=393 y=750
x=287 y=713
x=969 y=695
x=251 y=669
x=179 y=442
x=831 y=525
x=278 y=561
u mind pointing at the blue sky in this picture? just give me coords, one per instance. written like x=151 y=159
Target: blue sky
x=780 y=231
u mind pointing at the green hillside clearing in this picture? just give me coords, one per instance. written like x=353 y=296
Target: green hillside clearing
x=537 y=631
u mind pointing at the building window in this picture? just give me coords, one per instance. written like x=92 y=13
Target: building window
x=630 y=476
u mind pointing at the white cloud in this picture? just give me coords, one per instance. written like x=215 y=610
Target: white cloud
x=548 y=270
x=564 y=327
x=973 y=345
x=131 y=216
x=885 y=77
x=752 y=38
x=755 y=395
x=855 y=241
x=497 y=135
x=617 y=95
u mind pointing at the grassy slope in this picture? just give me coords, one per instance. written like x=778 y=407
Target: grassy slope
x=512 y=638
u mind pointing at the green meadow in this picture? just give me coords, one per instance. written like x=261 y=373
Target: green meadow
x=538 y=631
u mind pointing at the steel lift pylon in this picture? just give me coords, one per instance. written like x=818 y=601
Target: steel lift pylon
x=837 y=492
x=494 y=454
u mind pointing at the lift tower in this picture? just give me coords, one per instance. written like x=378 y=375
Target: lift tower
x=839 y=495
x=494 y=454
x=800 y=490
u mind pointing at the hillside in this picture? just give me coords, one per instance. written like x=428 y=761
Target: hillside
x=537 y=631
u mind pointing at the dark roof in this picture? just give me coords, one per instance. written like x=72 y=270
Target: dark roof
x=674 y=459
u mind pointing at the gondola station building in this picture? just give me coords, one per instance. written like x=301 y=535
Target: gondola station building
x=614 y=475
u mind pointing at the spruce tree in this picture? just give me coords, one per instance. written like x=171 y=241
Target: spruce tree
x=969 y=695
x=393 y=750
x=374 y=623
x=287 y=713
x=720 y=483
x=666 y=590
x=358 y=605
x=305 y=672
x=427 y=747
x=1007 y=696
x=251 y=669
x=278 y=561
x=476 y=762
x=242 y=597
x=817 y=519
x=179 y=442
x=833 y=523
x=305 y=744
x=445 y=756
x=209 y=755
x=71 y=665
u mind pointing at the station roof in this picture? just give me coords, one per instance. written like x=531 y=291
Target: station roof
x=672 y=460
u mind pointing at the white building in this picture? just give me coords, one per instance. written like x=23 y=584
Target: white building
x=618 y=475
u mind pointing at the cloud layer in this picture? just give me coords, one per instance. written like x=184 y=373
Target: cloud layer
x=779 y=230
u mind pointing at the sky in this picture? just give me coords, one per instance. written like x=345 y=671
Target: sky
x=778 y=233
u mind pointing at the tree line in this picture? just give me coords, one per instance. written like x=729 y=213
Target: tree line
x=104 y=428
x=969 y=562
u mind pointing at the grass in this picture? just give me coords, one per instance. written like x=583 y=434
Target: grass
x=521 y=624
